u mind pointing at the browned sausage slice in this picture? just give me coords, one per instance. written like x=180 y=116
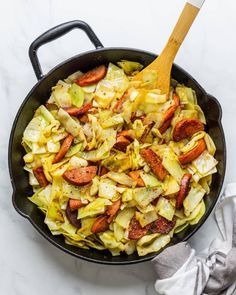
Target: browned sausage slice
x=118 y=107
x=169 y=114
x=80 y=176
x=121 y=143
x=72 y=216
x=129 y=134
x=75 y=204
x=136 y=231
x=194 y=153
x=162 y=225
x=165 y=126
x=171 y=111
x=63 y=149
x=133 y=118
x=186 y=128
x=154 y=162
x=112 y=210
x=100 y=225
x=40 y=176
x=184 y=189
x=84 y=119
x=92 y=77
x=135 y=175
x=146 y=132
x=103 y=171
x=77 y=112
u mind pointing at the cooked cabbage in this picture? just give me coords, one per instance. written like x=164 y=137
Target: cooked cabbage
x=77 y=95
x=69 y=123
x=172 y=165
x=130 y=67
x=154 y=246
x=107 y=189
x=122 y=104
x=121 y=178
x=194 y=196
x=123 y=218
x=146 y=218
x=204 y=163
x=165 y=208
x=94 y=208
x=61 y=95
x=144 y=196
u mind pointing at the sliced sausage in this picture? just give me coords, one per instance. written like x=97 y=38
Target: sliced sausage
x=100 y=225
x=63 y=149
x=75 y=204
x=84 y=119
x=168 y=115
x=171 y=111
x=72 y=216
x=133 y=118
x=186 y=128
x=40 y=176
x=118 y=107
x=162 y=225
x=194 y=153
x=165 y=126
x=121 y=143
x=184 y=189
x=103 y=171
x=77 y=112
x=146 y=132
x=112 y=210
x=80 y=176
x=92 y=76
x=135 y=175
x=136 y=231
x=154 y=162
x=129 y=134
x=155 y=201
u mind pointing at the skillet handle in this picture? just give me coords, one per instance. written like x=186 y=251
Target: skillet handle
x=55 y=33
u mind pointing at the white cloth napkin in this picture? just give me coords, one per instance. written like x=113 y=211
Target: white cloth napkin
x=180 y=271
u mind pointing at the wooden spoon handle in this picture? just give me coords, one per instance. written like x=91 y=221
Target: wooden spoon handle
x=163 y=63
x=181 y=29
x=185 y=21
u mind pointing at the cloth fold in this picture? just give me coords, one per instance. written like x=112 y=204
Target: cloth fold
x=213 y=271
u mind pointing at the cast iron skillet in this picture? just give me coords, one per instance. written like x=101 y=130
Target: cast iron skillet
x=40 y=93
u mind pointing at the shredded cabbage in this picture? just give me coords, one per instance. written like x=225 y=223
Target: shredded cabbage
x=96 y=207
x=154 y=246
x=130 y=67
x=165 y=208
x=125 y=117
x=77 y=95
x=70 y=124
x=144 y=196
x=194 y=196
x=61 y=95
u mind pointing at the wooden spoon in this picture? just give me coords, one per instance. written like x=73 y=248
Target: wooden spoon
x=163 y=63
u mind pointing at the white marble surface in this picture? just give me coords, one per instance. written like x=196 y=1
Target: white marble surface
x=29 y=264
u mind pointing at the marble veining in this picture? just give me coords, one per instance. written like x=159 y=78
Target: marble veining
x=29 y=264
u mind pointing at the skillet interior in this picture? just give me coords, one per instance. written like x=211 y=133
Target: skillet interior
x=40 y=93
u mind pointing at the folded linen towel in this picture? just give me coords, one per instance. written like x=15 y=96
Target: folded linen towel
x=213 y=271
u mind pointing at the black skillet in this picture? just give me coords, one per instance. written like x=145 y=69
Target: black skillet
x=40 y=93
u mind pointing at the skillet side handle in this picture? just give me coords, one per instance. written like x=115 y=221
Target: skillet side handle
x=55 y=33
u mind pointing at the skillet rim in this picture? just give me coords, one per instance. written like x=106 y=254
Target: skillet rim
x=49 y=236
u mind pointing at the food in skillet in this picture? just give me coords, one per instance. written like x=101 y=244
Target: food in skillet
x=116 y=165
